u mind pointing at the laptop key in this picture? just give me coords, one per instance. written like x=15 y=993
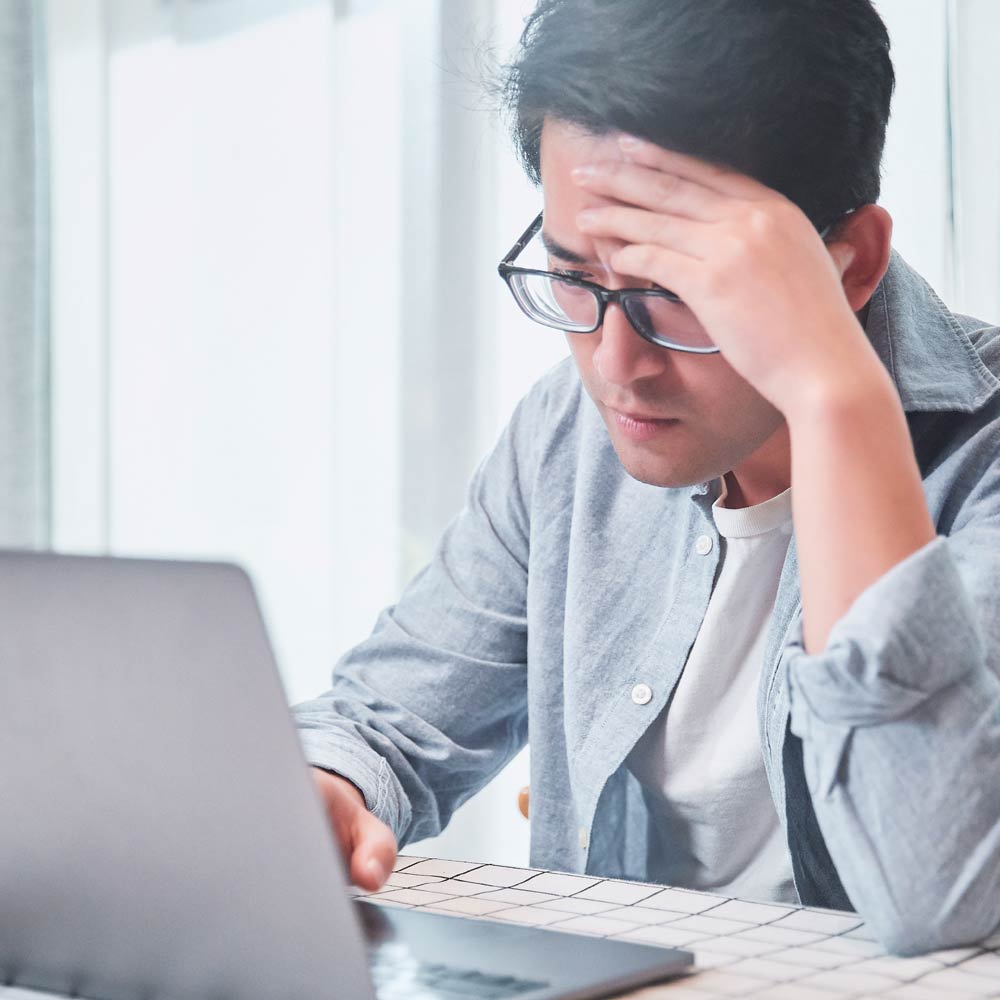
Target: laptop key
x=395 y=979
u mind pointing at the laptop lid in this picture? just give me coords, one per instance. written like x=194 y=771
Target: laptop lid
x=159 y=834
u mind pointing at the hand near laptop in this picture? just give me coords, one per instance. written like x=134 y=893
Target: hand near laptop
x=366 y=843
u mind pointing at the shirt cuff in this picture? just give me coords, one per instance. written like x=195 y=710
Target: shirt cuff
x=364 y=768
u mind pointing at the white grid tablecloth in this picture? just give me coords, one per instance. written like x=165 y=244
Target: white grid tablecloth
x=741 y=948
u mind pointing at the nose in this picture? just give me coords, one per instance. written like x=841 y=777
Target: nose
x=622 y=356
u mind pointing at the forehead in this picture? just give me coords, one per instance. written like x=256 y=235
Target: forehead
x=565 y=146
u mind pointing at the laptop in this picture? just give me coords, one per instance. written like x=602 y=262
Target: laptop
x=160 y=836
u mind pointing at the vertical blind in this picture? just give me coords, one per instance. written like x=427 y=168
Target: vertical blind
x=24 y=237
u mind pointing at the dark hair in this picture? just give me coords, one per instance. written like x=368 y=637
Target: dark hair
x=795 y=93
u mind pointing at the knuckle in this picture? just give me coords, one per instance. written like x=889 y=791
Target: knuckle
x=761 y=223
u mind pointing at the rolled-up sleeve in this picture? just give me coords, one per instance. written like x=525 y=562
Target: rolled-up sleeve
x=900 y=722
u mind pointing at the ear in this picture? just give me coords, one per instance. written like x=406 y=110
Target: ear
x=860 y=248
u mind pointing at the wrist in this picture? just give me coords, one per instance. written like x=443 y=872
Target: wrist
x=343 y=785
x=850 y=395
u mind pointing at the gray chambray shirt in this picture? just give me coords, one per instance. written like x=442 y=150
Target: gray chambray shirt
x=564 y=583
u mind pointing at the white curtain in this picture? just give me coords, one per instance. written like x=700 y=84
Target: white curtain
x=942 y=165
x=974 y=127
x=24 y=235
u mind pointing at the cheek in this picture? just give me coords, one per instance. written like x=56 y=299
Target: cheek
x=712 y=395
x=737 y=412
x=712 y=377
x=581 y=346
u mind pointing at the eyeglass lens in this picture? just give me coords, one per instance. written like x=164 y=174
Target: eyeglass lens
x=665 y=321
x=564 y=305
x=559 y=304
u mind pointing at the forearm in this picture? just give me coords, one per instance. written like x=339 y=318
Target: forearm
x=416 y=727
x=858 y=502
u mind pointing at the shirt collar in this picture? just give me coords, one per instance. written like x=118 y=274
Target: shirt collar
x=930 y=357
x=927 y=352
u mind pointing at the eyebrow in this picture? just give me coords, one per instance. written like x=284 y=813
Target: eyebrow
x=562 y=252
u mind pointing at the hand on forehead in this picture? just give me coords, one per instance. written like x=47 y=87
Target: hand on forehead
x=646 y=176
x=565 y=147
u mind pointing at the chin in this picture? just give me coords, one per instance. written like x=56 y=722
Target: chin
x=656 y=471
x=653 y=478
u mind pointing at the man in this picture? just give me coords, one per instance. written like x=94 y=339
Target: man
x=734 y=570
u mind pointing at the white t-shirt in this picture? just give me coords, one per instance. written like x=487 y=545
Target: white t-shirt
x=714 y=825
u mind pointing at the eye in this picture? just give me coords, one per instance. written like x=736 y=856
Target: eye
x=563 y=273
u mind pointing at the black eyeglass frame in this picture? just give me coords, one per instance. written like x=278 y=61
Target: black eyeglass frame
x=605 y=296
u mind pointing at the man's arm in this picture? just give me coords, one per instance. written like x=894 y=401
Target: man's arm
x=900 y=721
x=857 y=496
x=433 y=704
x=898 y=705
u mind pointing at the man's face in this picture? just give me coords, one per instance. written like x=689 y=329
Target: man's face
x=709 y=419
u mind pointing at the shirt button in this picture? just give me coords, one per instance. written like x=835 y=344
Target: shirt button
x=642 y=694
x=704 y=545
x=583 y=838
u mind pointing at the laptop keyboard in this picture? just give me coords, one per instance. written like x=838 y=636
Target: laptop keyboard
x=398 y=977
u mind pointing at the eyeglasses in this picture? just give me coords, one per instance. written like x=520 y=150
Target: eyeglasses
x=572 y=304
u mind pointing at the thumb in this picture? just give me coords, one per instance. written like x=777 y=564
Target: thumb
x=374 y=852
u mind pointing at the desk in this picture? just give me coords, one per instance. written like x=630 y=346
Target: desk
x=741 y=948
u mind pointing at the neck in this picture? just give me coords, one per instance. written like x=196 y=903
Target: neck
x=765 y=474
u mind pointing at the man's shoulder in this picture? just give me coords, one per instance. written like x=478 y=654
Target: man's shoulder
x=557 y=390
x=553 y=409
x=557 y=439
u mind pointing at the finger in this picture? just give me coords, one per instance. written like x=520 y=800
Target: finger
x=338 y=810
x=654 y=190
x=662 y=267
x=713 y=176
x=636 y=225
x=374 y=852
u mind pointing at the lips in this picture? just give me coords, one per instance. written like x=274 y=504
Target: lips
x=639 y=429
x=639 y=418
